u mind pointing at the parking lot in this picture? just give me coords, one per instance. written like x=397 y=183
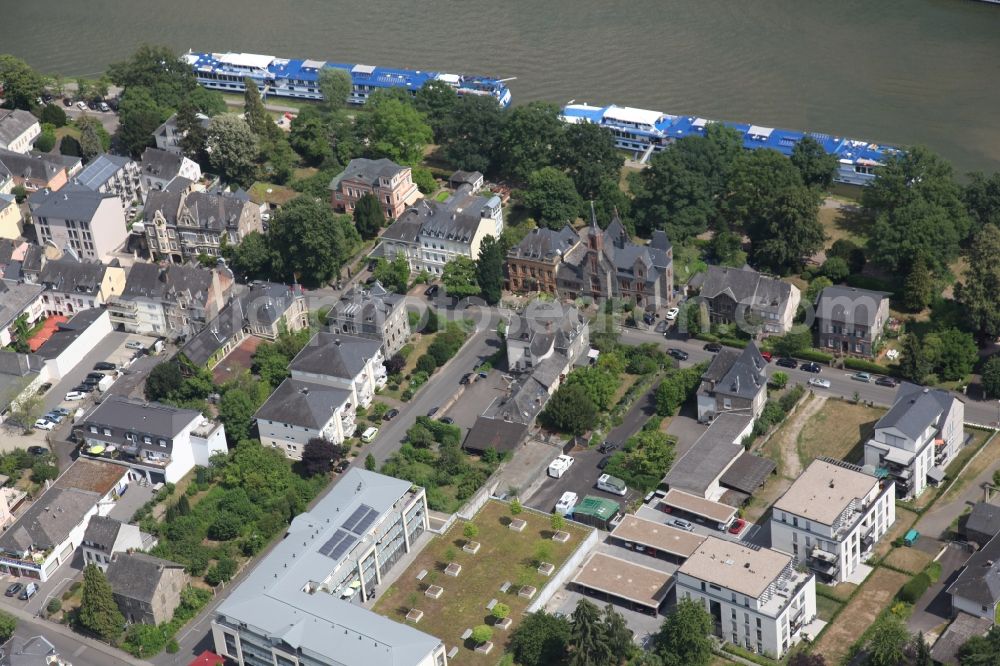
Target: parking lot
x=580 y=478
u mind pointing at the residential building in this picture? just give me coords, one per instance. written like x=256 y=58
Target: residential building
x=331 y=377
x=170 y=300
x=72 y=340
x=432 y=233
x=546 y=330
x=976 y=590
x=756 y=597
x=159 y=167
x=10 y=217
x=10 y=499
x=181 y=224
x=34 y=172
x=112 y=174
x=6 y=180
x=391 y=184
x=473 y=179
x=981 y=524
x=372 y=312
x=154 y=442
x=34 y=651
x=168 y=136
x=71 y=285
x=916 y=439
x=105 y=537
x=533 y=263
x=735 y=381
x=831 y=518
x=949 y=644
x=607 y=264
x=146 y=589
x=302 y=603
x=850 y=320
x=20 y=375
x=744 y=297
x=90 y=225
x=18 y=130
x=49 y=531
x=17 y=300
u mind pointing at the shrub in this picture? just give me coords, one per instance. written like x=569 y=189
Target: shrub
x=500 y=611
x=933 y=571
x=427 y=363
x=915 y=588
x=482 y=634
x=779 y=380
x=470 y=531
x=866 y=366
x=172 y=646
x=515 y=507
x=813 y=355
x=54 y=606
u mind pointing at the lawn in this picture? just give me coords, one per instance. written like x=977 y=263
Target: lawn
x=841 y=221
x=905 y=519
x=442 y=196
x=826 y=608
x=838 y=430
x=989 y=455
x=876 y=593
x=908 y=559
x=504 y=555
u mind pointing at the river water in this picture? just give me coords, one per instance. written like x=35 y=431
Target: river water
x=890 y=71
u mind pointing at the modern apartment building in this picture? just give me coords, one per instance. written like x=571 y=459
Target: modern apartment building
x=756 y=597
x=372 y=312
x=301 y=605
x=745 y=297
x=831 y=518
x=851 y=321
x=391 y=184
x=112 y=174
x=90 y=225
x=916 y=439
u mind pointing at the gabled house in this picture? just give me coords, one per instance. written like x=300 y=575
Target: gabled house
x=17 y=300
x=71 y=285
x=735 y=381
x=106 y=536
x=18 y=130
x=976 y=590
x=159 y=167
x=544 y=331
x=146 y=589
x=89 y=224
x=372 y=312
x=33 y=172
x=745 y=297
x=391 y=184
x=916 y=439
x=533 y=263
x=850 y=320
x=981 y=524
x=10 y=217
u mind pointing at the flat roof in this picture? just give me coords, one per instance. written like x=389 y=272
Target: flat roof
x=735 y=566
x=624 y=579
x=93 y=476
x=699 y=506
x=824 y=491
x=656 y=535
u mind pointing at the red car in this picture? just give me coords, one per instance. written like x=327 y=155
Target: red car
x=737 y=526
x=767 y=356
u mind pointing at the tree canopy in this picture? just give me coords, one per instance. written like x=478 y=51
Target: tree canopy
x=310 y=242
x=395 y=129
x=977 y=292
x=22 y=85
x=459 y=278
x=531 y=136
x=816 y=166
x=540 y=639
x=368 y=216
x=489 y=268
x=685 y=638
x=98 y=611
x=570 y=410
x=335 y=84
x=551 y=198
x=232 y=148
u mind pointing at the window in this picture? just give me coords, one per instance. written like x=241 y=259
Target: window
x=107 y=432
x=230 y=644
x=147 y=440
x=93 y=429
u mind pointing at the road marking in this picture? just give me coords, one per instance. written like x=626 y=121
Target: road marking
x=80 y=650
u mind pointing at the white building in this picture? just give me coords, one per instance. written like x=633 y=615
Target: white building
x=831 y=518
x=331 y=377
x=90 y=224
x=159 y=167
x=72 y=341
x=106 y=536
x=544 y=330
x=18 y=130
x=916 y=439
x=756 y=598
x=112 y=174
x=71 y=286
x=301 y=604
x=155 y=442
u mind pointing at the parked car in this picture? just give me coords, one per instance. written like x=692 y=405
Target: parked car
x=811 y=367
x=38 y=450
x=341 y=466
x=767 y=356
x=713 y=347
x=67 y=101
x=44 y=424
x=104 y=365
x=607 y=447
x=54 y=417
x=81 y=105
x=672 y=314
x=862 y=377
x=43 y=388
x=737 y=526
x=28 y=592
x=819 y=382
x=432 y=291
x=648 y=318
x=103 y=106
x=432 y=411
x=75 y=395
x=61 y=411
x=603 y=462
x=786 y=362
x=886 y=381
x=13 y=589
x=682 y=524
x=446 y=420
x=134 y=344
x=390 y=415
x=369 y=434
x=679 y=354
x=96 y=375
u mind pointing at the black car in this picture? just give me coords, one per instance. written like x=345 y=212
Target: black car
x=38 y=450
x=390 y=415
x=603 y=462
x=90 y=381
x=432 y=291
x=466 y=378
x=810 y=367
x=433 y=411
x=67 y=101
x=447 y=420
x=98 y=376
x=104 y=365
x=713 y=347
x=886 y=381
x=341 y=466
x=679 y=354
x=43 y=388
x=649 y=318
x=372 y=265
x=786 y=362
x=607 y=447
x=13 y=589
x=84 y=388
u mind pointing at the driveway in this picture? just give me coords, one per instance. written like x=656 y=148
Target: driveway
x=581 y=478
x=934 y=607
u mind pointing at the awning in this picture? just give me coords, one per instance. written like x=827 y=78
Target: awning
x=96 y=449
x=936 y=474
x=898 y=455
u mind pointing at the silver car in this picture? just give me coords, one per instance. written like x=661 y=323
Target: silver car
x=819 y=382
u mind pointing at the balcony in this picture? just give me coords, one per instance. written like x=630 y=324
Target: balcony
x=127 y=454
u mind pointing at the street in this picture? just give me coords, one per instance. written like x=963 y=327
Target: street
x=71 y=647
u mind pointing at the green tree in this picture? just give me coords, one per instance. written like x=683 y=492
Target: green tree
x=917 y=210
x=232 y=148
x=394 y=275
x=913 y=363
x=319 y=455
x=816 y=287
x=46 y=141
x=482 y=634
x=437 y=101
x=978 y=290
x=158 y=69
x=981 y=650
x=164 y=381
x=22 y=85
x=991 y=376
x=370 y=463
x=590 y=647
x=468 y=136
x=489 y=268
x=557 y=522
x=183 y=506
x=588 y=154
x=98 y=611
x=541 y=639
x=599 y=383
x=8 y=624
x=70 y=146
x=368 y=216
x=236 y=410
x=254 y=113
x=500 y=611
x=982 y=199
x=459 y=278
x=551 y=198
x=957 y=354
x=44 y=470
x=139 y=115
x=94 y=139
x=570 y=410
x=791 y=343
x=684 y=638
x=195 y=134
x=887 y=644
x=850 y=252
x=252 y=258
x=816 y=166
x=778 y=380
x=836 y=269
x=310 y=242
x=470 y=531
x=335 y=84
x=918 y=289
x=531 y=136
x=310 y=137
x=53 y=114
x=921 y=651
x=395 y=129
x=617 y=635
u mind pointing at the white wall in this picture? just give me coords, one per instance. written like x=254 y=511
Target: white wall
x=58 y=367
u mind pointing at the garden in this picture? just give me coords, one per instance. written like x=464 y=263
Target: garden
x=469 y=595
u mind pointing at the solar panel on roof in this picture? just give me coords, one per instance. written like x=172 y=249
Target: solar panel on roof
x=342 y=548
x=333 y=542
x=365 y=522
x=358 y=514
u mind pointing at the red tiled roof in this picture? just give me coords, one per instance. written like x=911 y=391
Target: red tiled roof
x=45 y=332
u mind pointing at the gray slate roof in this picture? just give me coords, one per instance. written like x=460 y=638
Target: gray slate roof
x=962 y=628
x=206 y=210
x=367 y=171
x=69 y=203
x=14 y=298
x=14 y=123
x=335 y=355
x=849 y=304
x=979 y=581
x=544 y=244
x=33 y=651
x=203 y=345
x=746 y=286
x=302 y=403
x=68 y=275
x=738 y=372
x=161 y=163
x=165 y=282
x=102 y=531
x=49 y=520
x=491 y=433
x=121 y=414
x=30 y=167
x=137 y=575
x=916 y=408
x=984 y=519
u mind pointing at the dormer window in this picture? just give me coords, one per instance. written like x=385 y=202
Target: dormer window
x=93 y=429
x=107 y=432
x=147 y=440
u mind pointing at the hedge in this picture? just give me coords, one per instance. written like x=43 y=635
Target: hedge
x=868 y=282
x=852 y=363
x=914 y=588
x=814 y=355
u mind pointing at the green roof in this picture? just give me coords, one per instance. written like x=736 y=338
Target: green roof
x=599 y=507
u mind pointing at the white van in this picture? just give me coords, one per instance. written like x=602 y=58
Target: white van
x=566 y=502
x=369 y=434
x=559 y=466
x=611 y=484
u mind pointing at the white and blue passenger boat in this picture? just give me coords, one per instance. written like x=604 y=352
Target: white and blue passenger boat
x=644 y=132
x=299 y=78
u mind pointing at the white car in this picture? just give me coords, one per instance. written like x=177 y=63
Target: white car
x=134 y=344
x=44 y=424
x=819 y=382
x=81 y=105
x=566 y=502
x=369 y=434
x=672 y=314
x=75 y=395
